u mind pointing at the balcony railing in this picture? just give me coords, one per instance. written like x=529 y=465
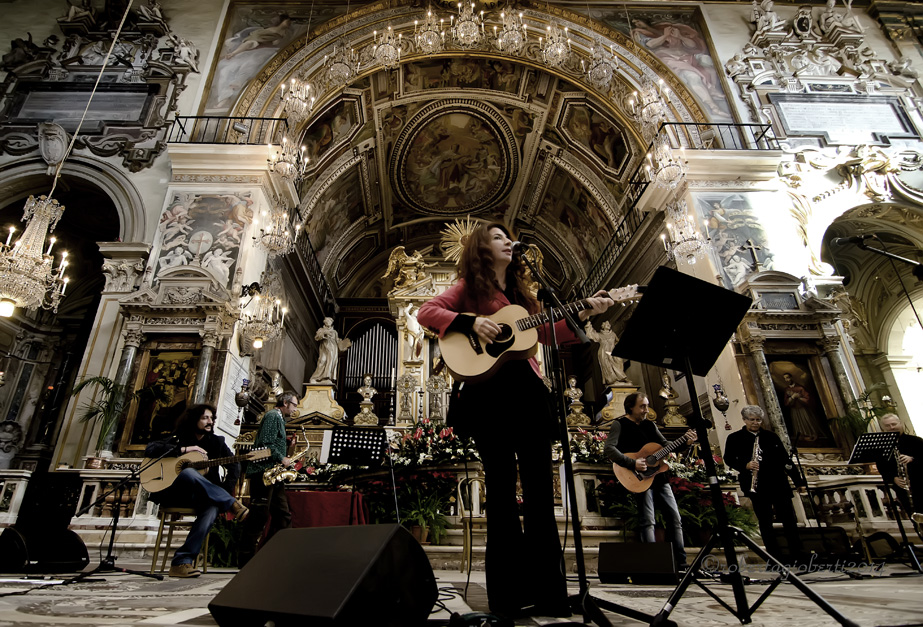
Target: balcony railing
x=694 y=136
x=226 y=130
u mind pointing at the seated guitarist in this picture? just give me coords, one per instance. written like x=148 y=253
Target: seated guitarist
x=208 y=495
x=523 y=561
x=630 y=433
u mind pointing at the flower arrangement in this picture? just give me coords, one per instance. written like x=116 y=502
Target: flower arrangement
x=588 y=447
x=430 y=443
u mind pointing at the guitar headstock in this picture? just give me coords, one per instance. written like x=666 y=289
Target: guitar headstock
x=626 y=295
x=258 y=454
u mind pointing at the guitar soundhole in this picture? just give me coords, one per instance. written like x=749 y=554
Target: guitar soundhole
x=502 y=342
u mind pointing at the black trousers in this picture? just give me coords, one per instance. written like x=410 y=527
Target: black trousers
x=509 y=418
x=780 y=503
x=267 y=503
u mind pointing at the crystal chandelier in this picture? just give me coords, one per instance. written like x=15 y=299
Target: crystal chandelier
x=262 y=317
x=341 y=65
x=468 y=29
x=555 y=46
x=298 y=101
x=512 y=34
x=664 y=167
x=647 y=106
x=387 y=48
x=277 y=236
x=603 y=66
x=430 y=35
x=685 y=240
x=287 y=161
x=27 y=278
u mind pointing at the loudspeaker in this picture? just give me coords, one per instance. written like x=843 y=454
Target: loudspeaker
x=828 y=543
x=336 y=576
x=637 y=562
x=46 y=551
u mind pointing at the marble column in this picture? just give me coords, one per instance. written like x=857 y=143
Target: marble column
x=831 y=347
x=773 y=409
x=133 y=339
x=209 y=344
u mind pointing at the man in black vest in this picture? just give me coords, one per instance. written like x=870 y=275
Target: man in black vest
x=758 y=454
x=630 y=433
x=909 y=490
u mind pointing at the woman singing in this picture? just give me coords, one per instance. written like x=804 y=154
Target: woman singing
x=524 y=562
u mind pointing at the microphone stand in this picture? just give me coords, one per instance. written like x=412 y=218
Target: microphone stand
x=917 y=266
x=583 y=603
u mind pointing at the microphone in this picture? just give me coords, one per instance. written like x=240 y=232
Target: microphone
x=519 y=247
x=855 y=239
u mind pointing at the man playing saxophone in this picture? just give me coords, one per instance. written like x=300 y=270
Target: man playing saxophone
x=906 y=472
x=763 y=462
x=268 y=501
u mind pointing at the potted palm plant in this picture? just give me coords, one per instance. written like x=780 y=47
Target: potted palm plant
x=425 y=516
x=105 y=408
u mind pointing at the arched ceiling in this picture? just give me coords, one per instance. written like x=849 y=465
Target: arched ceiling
x=397 y=154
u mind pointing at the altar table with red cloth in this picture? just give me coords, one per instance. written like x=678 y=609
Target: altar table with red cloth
x=327 y=509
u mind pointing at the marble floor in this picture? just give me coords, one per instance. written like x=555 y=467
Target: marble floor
x=889 y=597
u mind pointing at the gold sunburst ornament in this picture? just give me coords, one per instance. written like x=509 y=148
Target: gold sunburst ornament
x=455 y=236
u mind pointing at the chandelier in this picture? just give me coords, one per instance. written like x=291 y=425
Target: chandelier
x=685 y=240
x=287 y=161
x=341 y=65
x=430 y=35
x=512 y=35
x=277 y=237
x=468 y=29
x=27 y=278
x=299 y=100
x=647 y=105
x=664 y=167
x=603 y=66
x=262 y=317
x=387 y=48
x=555 y=46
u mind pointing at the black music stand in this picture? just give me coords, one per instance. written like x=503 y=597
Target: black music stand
x=876 y=448
x=683 y=323
x=356 y=446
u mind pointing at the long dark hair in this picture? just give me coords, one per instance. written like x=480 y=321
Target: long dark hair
x=477 y=269
x=189 y=419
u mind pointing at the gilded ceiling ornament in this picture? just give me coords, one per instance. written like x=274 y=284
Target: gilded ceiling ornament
x=454 y=237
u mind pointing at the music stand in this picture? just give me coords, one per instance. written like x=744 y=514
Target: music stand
x=356 y=446
x=662 y=333
x=876 y=448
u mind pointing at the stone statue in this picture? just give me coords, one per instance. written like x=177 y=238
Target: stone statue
x=152 y=12
x=765 y=18
x=366 y=416
x=404 y=269
x=367 y=391
x=831 y=19
x=52 y=144
x=329 y=352
x=10 y=442
x=412 y=332
x=76 y=11
x=612 y=368
x=186 y=53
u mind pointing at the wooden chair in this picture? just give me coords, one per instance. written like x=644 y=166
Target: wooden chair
x=171 y=518
x=472 y=494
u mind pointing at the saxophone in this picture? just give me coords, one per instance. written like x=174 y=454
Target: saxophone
x=757 y=457
x=279 y=472
x=902 y=473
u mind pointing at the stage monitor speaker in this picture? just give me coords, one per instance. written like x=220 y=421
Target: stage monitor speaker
x=332 y=576
x=829 y=544
x=637 y=562
x=48 y=551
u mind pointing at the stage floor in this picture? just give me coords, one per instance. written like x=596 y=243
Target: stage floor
x=124 y=599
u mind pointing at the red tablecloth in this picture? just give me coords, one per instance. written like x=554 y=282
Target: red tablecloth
x=327 y=509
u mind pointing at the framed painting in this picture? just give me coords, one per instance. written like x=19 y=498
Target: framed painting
x=805 y=400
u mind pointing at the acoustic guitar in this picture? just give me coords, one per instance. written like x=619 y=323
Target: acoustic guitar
x=161 y=473
x=469 y=358
x=653 y=454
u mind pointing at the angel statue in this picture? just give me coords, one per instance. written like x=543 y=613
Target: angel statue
x=611 y=367
x=412 y=332
x=330 y=348
x=405 y=269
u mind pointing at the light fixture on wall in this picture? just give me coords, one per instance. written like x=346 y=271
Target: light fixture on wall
x=28 y=277
x=512 y=34
x=277 y=235
x=602 y=66
x=468 y=29
x=387 y=48
x=288 y=160
x=555 y=46
x=429 y=34
x=262 y=316
x=684 y=239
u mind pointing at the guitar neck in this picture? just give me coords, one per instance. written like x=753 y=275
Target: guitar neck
x=669 y=448
x=542 y=317
x=221 y=461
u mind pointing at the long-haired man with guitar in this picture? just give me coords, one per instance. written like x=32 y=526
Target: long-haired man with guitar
x=208 y=494
x=523 y=562
x=634 y=432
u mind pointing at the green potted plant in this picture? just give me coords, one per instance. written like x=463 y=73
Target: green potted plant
x=426 y=513
x=862 y=411
x=106 y=408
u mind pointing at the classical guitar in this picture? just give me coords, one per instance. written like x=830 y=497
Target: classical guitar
x=469 y=358
x=653 y=454
x=161 y=473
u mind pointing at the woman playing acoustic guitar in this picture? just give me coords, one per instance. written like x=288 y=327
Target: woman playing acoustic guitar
x=524 y=566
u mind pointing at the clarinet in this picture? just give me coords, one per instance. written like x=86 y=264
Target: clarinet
x=757 y=457
x=902 y=473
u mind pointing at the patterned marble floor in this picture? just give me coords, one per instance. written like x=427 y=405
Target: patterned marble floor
x=124 y=599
